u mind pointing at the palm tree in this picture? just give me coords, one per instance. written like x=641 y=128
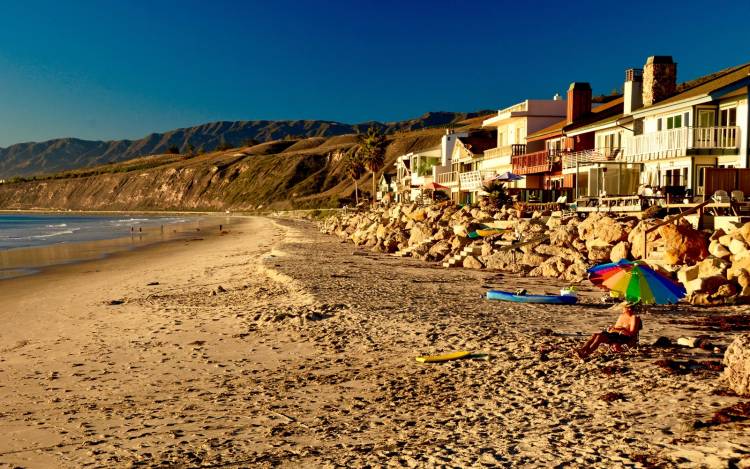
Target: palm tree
x=371 y=149
x=354 y=168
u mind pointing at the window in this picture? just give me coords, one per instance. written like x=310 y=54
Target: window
x=658 y=125
x=674 y=122
x=728 y=117
x=706 y=117
x=638 y=127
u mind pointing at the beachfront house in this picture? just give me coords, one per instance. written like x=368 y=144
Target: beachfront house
x=414 y=170
x=666 y=135
x=513 y=124
x=549 y=151
x=592 y=165
x=678 y=133
x=444 y=173
x=466 y=162
x=386 y=185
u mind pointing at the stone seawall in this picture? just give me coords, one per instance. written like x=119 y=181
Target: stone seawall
x=713 y=266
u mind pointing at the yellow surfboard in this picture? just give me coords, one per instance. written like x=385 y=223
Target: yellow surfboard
x=444 y=357
x=491 y=231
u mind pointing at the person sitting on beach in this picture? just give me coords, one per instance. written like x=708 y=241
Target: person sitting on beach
x=625 y=331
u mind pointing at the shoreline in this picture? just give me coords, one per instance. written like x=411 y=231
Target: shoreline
x=31 y=260
x=305 y=357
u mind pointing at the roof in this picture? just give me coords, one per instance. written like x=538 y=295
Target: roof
x=478 y=143
x=613 y=110
x=736 y=93
x=607 y=110
x=708 y=84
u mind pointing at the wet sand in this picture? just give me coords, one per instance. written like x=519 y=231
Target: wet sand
x=277 y=345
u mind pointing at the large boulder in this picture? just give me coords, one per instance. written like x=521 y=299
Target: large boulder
x=459 y=242
x=636 y=238
x=419 y=214
x=688 y=273
x=738 y=266
x=419 y=233
x=737 y=365
x=599 y=250
x=472 y=262
x=619 y=251
x=744 y=231
x=552 y=267
x=439 y=250
x=502 y=260
x=531 y=259
x=443 y=233
x=713 y=266
x=551 y=250
x=737 y=246
x=683 y=244
x=602 y=227
x=576 y=272
x=743 y=280
x=563 y=235
x=709 y=285
x=530 y=228
x=716 y=249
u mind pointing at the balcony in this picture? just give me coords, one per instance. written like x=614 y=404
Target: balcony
x=448 y=179
x=506 y=151
x=473 y=180
x=682 y=142
x=575 y=159
x=530 y=163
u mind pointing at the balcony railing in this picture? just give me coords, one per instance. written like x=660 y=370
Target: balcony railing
x=505 y=151
x=589 y=157
x=473 y=180
x=537 y=162
x=677 y=142
x=447 y=179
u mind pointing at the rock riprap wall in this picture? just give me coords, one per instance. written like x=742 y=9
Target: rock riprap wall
x=713 y=267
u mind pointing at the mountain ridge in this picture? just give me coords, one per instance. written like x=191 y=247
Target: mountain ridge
x=69 y=153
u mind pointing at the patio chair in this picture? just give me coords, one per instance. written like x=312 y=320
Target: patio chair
x=721 y=197
x=738 y=196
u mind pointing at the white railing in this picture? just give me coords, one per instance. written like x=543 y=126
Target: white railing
x=447 y=179
x=715 y=137
x=587 y=157
x=676 y=142
x=498 y=152
x=473 y=180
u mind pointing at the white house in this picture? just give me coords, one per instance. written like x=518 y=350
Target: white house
x=418 y=168
x=513 y=124
x=676 y=134
x=669 y=133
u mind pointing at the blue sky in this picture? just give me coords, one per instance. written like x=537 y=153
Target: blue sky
x=122 y=69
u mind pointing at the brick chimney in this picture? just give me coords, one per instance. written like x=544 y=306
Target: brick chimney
x=633 y=90
x=659 y=79
x=579 y=100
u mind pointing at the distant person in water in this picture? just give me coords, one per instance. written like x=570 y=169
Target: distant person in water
x=625 y=331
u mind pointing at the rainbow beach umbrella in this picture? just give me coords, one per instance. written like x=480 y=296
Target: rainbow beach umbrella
x=636 y=282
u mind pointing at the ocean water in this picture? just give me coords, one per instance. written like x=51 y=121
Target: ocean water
x=26 y=230
x=32 y=242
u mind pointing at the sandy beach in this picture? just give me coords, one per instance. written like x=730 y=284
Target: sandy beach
x=276 y=345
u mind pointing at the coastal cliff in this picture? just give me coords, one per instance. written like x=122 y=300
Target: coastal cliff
x=305 y=173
